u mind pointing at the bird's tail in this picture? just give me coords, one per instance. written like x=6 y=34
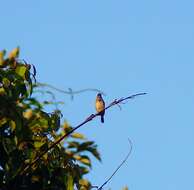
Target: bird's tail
x=102 y=119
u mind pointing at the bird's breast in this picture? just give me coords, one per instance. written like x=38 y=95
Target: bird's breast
x=99 y=106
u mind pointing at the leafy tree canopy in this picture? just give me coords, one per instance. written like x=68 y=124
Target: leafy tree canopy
x=26 y=130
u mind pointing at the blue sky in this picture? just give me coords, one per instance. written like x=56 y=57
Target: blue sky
x=121 y=47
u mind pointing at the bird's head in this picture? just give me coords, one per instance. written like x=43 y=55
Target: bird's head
x=99 y=95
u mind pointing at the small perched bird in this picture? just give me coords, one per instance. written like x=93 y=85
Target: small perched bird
x=100 y=105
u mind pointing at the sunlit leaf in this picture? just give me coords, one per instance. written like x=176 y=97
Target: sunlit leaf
x=27 y=161
x=12 y=125
x=28 y=114
x=2 y=54
x=84 y=182
x=2 y=91
x=6 y=82
x=14 y=53
x=66 y=125
x=38 y=144
x=78 y=136
x=20 y=70
x=84 y=188
x=70 y=182
x=45 y=156
x=3 y=121
x=85 y=160
x=77 y=157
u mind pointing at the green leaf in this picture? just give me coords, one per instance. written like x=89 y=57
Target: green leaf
x=3 y=121
x=38 y=144
x=73 y=144
x=21 y=70
x=70 y=182
x=2 y=54
x=14 y=53
x=55 y=120
x=84 y=182
x=2 y=91
x=85 y=160
x=85 y=145
x=6 y=82
x=12 y=125
x=94 y=152
x=83 y=170
x=78 y=136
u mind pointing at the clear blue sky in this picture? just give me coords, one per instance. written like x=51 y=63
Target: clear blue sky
x=121 y=47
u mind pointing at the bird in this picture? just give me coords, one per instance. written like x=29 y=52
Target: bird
x=100 y=105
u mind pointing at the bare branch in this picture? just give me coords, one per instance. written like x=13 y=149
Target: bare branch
x=69 y=91
x=125 y=159
x=91 y=117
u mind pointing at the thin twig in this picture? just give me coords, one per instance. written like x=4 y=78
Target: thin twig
x=91 y=117
x=124 y=160
x=69 y=91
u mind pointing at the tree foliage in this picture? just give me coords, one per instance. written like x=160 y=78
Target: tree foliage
x=26 y=130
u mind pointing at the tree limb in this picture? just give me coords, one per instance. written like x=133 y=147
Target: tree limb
x=91 y=117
